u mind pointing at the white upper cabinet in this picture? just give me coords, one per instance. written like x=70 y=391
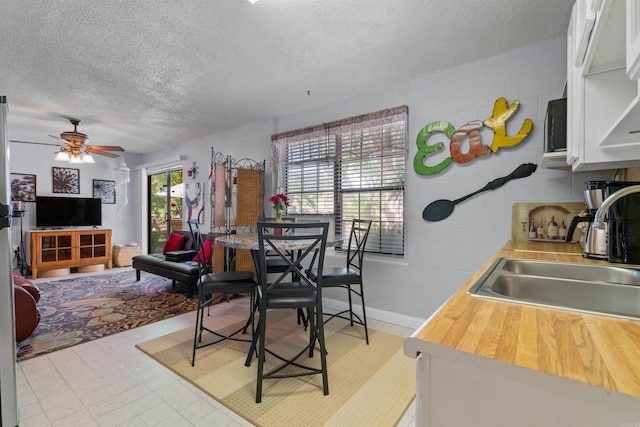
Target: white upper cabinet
x=606 y=47
x=603 y=103
x=633 y=39
x=585 y=19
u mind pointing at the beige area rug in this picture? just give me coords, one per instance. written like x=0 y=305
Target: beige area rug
x=369 y=385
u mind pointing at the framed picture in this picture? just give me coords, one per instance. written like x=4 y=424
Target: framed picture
x=66 y=180
x=194 y=201
x=105 y=190
x=23 y=187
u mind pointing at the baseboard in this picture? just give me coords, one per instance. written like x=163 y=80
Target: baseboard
x=334 y=306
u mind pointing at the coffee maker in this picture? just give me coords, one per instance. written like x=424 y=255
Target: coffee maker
x=618 y=240
x=594 y=196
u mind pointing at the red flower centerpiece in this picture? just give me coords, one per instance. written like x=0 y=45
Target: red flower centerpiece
x=280 y=202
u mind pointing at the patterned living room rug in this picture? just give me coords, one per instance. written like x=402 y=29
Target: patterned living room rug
x=90 y=307
x=369 y=385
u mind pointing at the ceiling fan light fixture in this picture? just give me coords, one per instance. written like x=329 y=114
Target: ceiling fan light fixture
x=74 y=150
x=62 y=156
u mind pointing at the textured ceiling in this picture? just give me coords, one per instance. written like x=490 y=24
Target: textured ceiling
x=151 y=74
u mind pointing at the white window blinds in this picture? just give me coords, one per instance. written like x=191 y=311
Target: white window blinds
x=351 y=168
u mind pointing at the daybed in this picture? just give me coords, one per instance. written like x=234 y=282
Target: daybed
x=177 y=262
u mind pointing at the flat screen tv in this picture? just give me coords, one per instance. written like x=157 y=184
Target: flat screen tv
x=68 y=212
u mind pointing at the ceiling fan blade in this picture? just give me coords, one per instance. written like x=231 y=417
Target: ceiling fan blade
x=105 y=147
x=33 y=142
x=59 y=139
x=103 y=153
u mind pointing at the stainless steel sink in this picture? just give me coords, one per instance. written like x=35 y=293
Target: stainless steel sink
x=566 y=270
x=598 y=289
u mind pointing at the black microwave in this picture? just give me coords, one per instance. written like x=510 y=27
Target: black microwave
x=555 y=123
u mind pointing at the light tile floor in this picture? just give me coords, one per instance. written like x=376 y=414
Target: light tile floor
x=108 y=382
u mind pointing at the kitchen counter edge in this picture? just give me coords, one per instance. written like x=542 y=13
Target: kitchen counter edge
x=597 y=350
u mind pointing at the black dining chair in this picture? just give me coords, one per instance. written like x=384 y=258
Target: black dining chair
x=291 y=289
x=213 y=286
x=275 y=264
x=350 y=276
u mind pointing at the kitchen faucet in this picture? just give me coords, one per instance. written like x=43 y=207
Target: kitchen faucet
x=595 y=244
x=604 y=208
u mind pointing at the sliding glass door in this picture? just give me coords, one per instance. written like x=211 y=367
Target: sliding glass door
x=165 y=207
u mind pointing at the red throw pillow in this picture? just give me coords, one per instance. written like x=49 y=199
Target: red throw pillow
x=207 y=252
x=175 y=243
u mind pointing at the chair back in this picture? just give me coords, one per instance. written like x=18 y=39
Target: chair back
x=198 y=246
x=282 y=225
x=357 y=241
x=282 y=245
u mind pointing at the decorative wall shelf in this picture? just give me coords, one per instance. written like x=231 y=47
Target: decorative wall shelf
x=555 y=160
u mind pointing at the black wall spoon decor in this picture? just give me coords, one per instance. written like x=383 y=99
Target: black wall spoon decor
x=442 y=208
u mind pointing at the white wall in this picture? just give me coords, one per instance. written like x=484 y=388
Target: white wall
x=440 y=256
x=38 y=160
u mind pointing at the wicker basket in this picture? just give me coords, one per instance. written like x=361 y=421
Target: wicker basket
x=122 y=255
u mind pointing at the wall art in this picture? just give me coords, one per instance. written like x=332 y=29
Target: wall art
x=502 y=112
x=105 y=190
x=194 y=202
x=65 y=180
x=442 y=208
x=23 y=187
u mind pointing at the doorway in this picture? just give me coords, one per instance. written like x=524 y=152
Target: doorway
x=165 y=207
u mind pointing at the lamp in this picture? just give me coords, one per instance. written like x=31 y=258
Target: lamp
x=74 y=155
x=62 y=156
x=253 y=1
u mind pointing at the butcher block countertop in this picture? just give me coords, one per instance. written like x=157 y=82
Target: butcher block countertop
x=597 y=350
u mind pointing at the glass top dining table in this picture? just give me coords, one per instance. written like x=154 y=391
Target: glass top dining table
x=250 y=241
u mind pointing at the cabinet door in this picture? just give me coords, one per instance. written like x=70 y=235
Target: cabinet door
x=603 y=104
x=633 y=39
x=575 y=97
x=99 y=245
x=92 y=245
x=584 y=21
x=55 y=248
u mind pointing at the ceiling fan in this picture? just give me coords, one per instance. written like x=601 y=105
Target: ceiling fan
x=75 y=148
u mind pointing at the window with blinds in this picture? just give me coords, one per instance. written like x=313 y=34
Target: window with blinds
x=351 y=168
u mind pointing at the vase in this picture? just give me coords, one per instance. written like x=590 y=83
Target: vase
x=278 y=216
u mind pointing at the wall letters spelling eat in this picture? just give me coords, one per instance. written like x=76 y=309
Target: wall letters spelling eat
x=501 y=113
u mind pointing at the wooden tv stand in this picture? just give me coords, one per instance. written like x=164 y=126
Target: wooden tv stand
x=55 y=249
